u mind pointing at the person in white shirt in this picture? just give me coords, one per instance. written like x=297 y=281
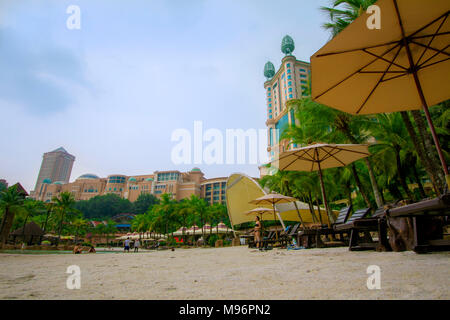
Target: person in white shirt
x=136 y=245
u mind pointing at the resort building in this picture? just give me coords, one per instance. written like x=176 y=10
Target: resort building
x=56 y=166
x=180 y=184
x=291 y=81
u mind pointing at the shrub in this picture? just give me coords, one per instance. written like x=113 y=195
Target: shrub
x=212 y=240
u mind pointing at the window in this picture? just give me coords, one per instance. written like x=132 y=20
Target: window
x=302 y=75
x=269 y=88
x=270 y=99
x=289 y=77
x=288 y=70
x=290 y=96
x=270 y=116
x=270 y=110
x=303 y=81
x=290 y=89
x=290 y=83
x=270 y=105
x=302 y=70
x=269 y=94
x=282 y=77
x=288 y=65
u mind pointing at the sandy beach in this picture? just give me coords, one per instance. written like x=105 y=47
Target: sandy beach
x=227 y=273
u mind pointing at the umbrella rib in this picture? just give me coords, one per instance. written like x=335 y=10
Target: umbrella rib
x=358 y=49
x=427 y=25
x=386 y=60
x=434 y=55
x=431 y=40
x=395 y=77
x=432 y=64
x=382 y=72
x=431 y=35
x=354 y=151
x=380 y=80
x=357 y=71
x=430 y=48
x=332 y=155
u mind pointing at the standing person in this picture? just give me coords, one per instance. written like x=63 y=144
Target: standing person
x=257 y=232
x=127 y=245
x=136 y=245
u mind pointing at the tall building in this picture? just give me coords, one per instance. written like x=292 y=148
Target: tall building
x=180 y=184
x=56 y=166
x=291 y=81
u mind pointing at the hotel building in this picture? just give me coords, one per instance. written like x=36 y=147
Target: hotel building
x=56 y=166
x=291 y=81
x=180 y=184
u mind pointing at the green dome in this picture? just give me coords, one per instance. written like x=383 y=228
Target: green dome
x=195 y=170
x=149 y=179
x=132 y=179
x=287 y=45
x=58 y=182
x=47 y=181
x=269 y=70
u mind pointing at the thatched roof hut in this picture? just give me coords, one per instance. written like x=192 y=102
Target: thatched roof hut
x=31 y=229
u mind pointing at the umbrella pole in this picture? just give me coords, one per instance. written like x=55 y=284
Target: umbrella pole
x=299 y=215
x=324 y=197
x=422 y=97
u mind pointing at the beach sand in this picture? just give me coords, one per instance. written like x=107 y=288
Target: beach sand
x=227 y=273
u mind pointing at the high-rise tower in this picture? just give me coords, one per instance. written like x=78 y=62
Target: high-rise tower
x=56 y=166
x=291 y=81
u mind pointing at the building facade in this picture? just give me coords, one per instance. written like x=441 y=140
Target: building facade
x=291 y=81
x=56 y=166
x=180 y=184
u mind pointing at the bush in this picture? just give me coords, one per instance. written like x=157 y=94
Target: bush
x=86 y=244
x=46 y=242
x=212 y=240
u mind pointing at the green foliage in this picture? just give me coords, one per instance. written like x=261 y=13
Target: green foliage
x=144 y=202
x=104 y=207
x=212 y=240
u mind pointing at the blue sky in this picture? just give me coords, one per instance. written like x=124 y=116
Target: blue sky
x=113 y=92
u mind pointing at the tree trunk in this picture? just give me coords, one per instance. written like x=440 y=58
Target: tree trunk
x=401 y=176
x=23 y=229
x=373 y=181
x=423 y=156
x=360 y=186
x=60 y=227
x=419 y=183
x=430 y=149
x=7 y=222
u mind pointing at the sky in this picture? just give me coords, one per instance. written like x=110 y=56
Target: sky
x=113 y=92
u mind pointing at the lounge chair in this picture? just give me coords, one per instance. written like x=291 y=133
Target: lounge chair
x=419 y=226
x=312 y=237
x=360 y=223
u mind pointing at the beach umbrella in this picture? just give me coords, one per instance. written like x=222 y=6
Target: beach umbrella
x=180 y=232
x=403 y=65
x=317 y=157
x=272 y=199
x=260 y=212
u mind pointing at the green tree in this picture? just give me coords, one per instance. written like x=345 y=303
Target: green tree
x=11 y=202
x=65 y=204
x=144 y=202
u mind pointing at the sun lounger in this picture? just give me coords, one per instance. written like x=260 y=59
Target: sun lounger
x=419 y=226
x=312 y=237
x=360 y=223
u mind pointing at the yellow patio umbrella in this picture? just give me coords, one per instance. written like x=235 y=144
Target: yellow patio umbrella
x=403 y=65
x=321 y=156
x=272 y=199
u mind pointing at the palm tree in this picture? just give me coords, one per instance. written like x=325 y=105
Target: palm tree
x=200 y=208
x=31 y=207
x=341 y=14
x=64 y=203
x=79 y=223
x=390 y=132
x=344 y=12
x=11 y=202
x=324 y=124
